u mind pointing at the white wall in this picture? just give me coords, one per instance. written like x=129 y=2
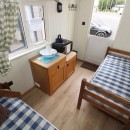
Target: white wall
x=55 y=23
x=69 y=25
x=92 y=48
x=96 y=49
x=20 y=73
x=97 y=46
x=122 y=39
x=59 y=23
x=84 y=14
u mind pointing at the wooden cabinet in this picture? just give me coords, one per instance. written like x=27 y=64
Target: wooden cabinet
x=49 y=77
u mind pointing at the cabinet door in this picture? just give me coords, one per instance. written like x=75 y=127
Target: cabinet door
x=70 y=67
x=40 y=76
x=57 y=76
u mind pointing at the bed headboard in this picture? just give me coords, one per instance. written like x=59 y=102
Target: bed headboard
x=109 y=49
x=5 y=90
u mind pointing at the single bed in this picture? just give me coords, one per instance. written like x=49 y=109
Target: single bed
x=109 y=89
x=22 y=116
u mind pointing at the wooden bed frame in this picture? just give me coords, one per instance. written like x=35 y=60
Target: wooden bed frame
x=84 y=91
x=5 y=90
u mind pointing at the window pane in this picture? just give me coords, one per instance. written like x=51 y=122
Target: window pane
x=106 y=18
x=19 y=40
x=34 y=16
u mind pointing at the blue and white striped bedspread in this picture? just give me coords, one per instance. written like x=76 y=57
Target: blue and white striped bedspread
x=23 y=117
x=114 y=75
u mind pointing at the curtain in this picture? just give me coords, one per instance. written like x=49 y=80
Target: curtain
x=8 y=21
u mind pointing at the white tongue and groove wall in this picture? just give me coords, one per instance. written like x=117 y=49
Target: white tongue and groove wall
x=56 y=23
x=122 y=39
x=69 y=25
x=93 y=48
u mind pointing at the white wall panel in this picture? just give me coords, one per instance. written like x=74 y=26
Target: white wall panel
x=20 y=73
x=122 y=39
x=96 y=49
x=55 y=23
x=59 y=23
x=84 y=13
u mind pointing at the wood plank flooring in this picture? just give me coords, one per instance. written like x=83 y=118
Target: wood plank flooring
x=60 y=108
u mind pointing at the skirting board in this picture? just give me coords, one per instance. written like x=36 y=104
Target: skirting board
x=27 y=91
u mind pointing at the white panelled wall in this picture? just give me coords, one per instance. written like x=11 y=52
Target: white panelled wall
x=55 y=23
x=69 y=25
x=59 y=23
x=93 y=48
x=85 y=8
x=20 y=73
x=96 y=49
x=122 y=39
x=90 y=48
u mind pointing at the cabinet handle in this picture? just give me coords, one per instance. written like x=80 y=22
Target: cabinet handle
x=58 y=66
x=67 y=64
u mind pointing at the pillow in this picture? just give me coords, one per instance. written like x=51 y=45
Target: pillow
x=4 y=114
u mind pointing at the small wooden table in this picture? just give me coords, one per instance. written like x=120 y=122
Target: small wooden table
x=49 y=77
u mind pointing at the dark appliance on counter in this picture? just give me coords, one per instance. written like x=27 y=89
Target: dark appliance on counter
x=59 y=39
x=62 y=45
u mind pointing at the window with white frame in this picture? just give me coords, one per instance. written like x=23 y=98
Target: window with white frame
x=33 y=26
x=19 y=41
x=106 y=18
x=35 y=23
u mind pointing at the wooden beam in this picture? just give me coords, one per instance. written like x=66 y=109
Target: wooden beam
x=6 y=93
x=107 y=102
x=112 y=113
x=81 y=93
x=109 y=49
x=107 y=93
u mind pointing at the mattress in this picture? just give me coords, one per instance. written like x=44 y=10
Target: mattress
x=23 y=117
x=113 y=75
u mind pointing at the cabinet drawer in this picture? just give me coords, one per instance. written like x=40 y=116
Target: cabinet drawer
x=57 y=66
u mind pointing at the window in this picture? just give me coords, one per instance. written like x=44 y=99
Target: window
x=19 y=40
x=34 y=16
x=34 y=30
x=106 y=18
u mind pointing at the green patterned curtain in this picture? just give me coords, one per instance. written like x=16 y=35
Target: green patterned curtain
x=8 y=21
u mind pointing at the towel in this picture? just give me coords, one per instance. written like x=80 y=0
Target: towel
x=48 y=60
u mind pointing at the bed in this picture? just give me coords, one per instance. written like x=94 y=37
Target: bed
x=109 y=89
x=22 y=116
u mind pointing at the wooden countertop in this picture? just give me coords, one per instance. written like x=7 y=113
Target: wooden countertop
x=34 y=60
x=61 y=56
x=70 y=55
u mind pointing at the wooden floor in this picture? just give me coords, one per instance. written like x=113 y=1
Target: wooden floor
x=60 y=108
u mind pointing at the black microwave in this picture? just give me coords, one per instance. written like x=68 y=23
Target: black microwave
x=64 y=47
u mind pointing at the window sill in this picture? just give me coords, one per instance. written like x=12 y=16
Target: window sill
x=23 y=52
